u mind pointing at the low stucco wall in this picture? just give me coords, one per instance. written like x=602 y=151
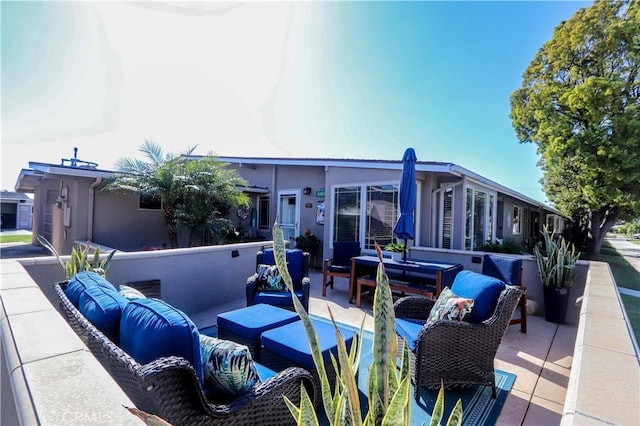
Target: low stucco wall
x=531 y=280
x=604 y=386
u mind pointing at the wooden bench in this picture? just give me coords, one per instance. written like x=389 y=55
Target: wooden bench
x=398 y=286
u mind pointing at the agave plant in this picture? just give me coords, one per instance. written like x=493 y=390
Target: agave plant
x=558 y=268
x=80 y=260
x=388 y=388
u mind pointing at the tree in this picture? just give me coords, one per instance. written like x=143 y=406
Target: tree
x=209 y=195
x=579 y=102
x=193 y=192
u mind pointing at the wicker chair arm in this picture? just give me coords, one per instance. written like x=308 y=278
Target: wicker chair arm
x=414 y=307
x=286 y=382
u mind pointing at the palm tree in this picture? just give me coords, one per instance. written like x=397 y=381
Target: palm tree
x=211 y=191
x=158 y=177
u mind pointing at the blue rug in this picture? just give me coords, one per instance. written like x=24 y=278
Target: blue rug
x=479 y=408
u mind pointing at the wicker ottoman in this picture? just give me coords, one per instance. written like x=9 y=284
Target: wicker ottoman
x=245 y=325
x=288 y=346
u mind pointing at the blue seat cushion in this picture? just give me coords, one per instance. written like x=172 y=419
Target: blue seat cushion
x=340 y=269
x=290 y=341
x=103 y=307
x=252 y=321
x=484 y=291
x=408 y=330
x=228 y=368
x=294 y=262
x=265 y=373
x=151 y=329
x=275 y=298
x=80 y=281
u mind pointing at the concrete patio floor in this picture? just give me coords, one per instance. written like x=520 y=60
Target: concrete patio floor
x=541 y=359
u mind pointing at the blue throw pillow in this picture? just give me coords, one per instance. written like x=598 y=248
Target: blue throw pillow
x=484 y=291
x=152 y=329
x=228 y=368
x=80 y=281
x=103 y=307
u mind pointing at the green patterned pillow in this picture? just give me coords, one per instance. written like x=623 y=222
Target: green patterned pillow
x=131 y=293
x=227 y=367
x=451 y=306
x=269 y=279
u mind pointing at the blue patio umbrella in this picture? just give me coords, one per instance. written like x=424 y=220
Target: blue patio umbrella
x=405 y=227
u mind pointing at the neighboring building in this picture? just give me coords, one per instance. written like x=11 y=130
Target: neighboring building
x=16 y=210
x=335 y=199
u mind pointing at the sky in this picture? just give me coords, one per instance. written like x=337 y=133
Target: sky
x=359 y=80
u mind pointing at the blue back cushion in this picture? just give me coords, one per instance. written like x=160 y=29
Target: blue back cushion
x=82 y=280
x=103 y=307
x=484 y=290
x=294 y=262
x=151 y=329
x=506 y=269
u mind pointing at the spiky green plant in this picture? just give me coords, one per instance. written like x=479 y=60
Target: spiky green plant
x=80 y=259
x=388 y=389
x=558 y=267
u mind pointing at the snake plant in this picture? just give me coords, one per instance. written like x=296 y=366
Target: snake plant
x=558 y=267
x=80 y=260
x=389 y=390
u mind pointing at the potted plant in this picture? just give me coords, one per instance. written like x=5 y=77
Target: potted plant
x=557 y=272
x=309 y=243
x=396 y=249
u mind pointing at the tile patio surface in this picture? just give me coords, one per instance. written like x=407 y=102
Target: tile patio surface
x=541 y=358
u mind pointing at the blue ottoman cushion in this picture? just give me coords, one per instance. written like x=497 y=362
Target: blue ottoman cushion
x=408 y=330
x=103 y=307
x=290 y=341
x=252 y=321
x=277 y=299
x=151 y=329
x=484 y=291
x=82 y=280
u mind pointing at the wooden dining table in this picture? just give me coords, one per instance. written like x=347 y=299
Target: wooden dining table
x=443 y=272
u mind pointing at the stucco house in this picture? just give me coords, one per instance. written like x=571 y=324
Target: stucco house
x=335 y=199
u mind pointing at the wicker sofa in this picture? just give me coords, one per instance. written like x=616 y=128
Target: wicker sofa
x=169 y=388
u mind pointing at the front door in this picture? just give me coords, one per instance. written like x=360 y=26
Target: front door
x=289 y=215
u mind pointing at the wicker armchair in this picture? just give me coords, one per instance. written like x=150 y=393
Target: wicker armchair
x=169 y=388
x=457 y=352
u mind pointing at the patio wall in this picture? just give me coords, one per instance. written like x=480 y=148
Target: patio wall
x=49 y=367
x=473 y=261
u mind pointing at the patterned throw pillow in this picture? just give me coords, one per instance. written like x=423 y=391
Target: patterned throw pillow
x=269 y=279
x=228 y=368
x=450 y=306
x=130 y=293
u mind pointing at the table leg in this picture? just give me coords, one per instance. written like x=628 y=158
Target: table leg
x=352 y=280
x=438 y=282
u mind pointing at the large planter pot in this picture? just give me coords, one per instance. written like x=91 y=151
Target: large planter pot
x=556 y=301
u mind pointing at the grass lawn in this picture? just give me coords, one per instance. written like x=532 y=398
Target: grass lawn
x=636 y=242
x=625 y=276
x=15 y=238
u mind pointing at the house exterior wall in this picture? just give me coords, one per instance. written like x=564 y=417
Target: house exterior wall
x=119 y=222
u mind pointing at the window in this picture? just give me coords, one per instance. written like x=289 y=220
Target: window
x=479 y=218
x=517 y=220
x=367 y=220
x=264 y=221
x=346 y=207
x=149 y=202
x=446 y=213
x=554 y=223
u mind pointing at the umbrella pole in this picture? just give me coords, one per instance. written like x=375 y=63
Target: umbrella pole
x=404 y=253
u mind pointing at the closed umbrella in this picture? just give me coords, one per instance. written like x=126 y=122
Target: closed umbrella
x=405 y=227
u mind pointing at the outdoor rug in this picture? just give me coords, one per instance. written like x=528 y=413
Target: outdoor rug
x=479 y=408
